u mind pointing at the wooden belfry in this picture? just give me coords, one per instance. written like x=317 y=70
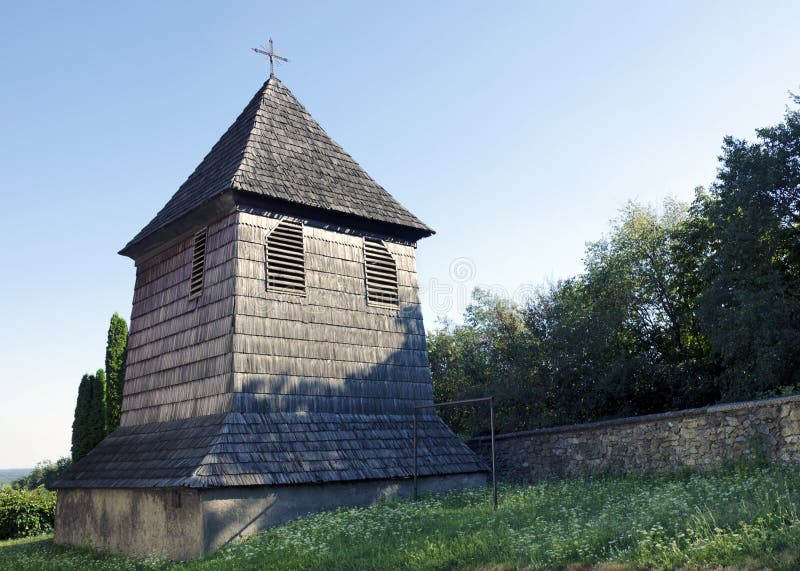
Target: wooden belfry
x=276 y=351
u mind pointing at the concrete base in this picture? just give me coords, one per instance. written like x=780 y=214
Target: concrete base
x=186 y=523
x=130 y=521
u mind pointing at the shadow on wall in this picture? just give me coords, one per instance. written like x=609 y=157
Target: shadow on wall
x=392 y=386
x=384 y=445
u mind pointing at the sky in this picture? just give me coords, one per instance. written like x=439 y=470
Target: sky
x=516 y=130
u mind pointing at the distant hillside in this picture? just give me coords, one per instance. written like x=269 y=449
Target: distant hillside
x=10 y=474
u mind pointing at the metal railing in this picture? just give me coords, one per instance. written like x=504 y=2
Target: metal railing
x=456 y=403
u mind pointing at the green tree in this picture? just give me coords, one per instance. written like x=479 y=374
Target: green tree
x=622 y=338
x=80 y=424
x=96 y=429
x=88 y=427
x=751 y=307
x=676 y=307
x=490 y=354
x=44 y=474
x=116 y=353
x=577 y=333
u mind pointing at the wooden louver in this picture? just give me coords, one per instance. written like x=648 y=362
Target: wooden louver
x=381 y=273
x=285 y=258
x=198 y=264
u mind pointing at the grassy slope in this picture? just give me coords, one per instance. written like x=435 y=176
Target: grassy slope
x=745 y=518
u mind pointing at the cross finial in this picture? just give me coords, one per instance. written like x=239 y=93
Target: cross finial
x=271 y=55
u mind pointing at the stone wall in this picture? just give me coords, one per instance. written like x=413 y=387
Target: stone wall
x=698 y=438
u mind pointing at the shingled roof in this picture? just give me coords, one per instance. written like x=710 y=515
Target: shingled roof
x=276 y=150
x=249 y=449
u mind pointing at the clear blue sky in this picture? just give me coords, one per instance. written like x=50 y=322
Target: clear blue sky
x=516 y=130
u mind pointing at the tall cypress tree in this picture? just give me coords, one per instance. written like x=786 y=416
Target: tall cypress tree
x=81 y=422
x=96 y=417
x=116 y=353
x=89 y=426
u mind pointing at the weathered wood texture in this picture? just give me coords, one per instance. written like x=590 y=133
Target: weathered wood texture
x=276 y=150
x=241 y=449
x=328 y=350
x=179 y=350
x=246 y=385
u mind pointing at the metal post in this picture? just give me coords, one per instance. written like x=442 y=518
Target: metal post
x=494 y=473
x=415 y=454
x=456 y=403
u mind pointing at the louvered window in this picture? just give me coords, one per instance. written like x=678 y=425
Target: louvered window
x=285 y=258
x=381 y=273
x=198 y=264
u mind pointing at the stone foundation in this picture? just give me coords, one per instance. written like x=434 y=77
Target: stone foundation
x=185 y=523
x=698 y=438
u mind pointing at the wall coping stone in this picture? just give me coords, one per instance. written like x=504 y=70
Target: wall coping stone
x=646 y=418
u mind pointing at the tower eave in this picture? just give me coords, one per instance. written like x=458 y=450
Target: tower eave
x=210 y=210
x=401 y=232
x=231 y=200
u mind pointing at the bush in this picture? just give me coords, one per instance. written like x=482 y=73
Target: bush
x=44 y=474
x=25 y=513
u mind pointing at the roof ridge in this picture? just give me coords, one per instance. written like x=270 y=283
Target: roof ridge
x=276 y=150
x=194 y=477
x=247 y=145
x=258 y=121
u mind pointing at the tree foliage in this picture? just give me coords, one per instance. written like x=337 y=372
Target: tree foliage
x=116 y=353
x=99 y=403
x=44 y=474
x=80 y=423
x=677 y=307
x=751 y=307
x=89 y=425
x=492 y=353
x=96 y=429
x=25 y=513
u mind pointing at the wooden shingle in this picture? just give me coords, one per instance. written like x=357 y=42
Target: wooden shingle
x=271 y=344
x=276 y=150
x=245 y=449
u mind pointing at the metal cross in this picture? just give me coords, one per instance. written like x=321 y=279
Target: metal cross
x=271 y=55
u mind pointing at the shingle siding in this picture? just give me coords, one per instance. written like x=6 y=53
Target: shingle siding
x=249 y=386
x=246 y=385
x=179 y=358
x=374 y=361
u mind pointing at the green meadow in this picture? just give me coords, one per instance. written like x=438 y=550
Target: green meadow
x=736 y=518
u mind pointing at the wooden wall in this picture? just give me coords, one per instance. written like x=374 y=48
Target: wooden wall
x=327 y=351
x=241 y=347
x=179 y=350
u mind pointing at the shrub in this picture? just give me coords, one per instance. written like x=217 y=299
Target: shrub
x=25 y=513
x=44 y=474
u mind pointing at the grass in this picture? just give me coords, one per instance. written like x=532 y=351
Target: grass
x=731 y=519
